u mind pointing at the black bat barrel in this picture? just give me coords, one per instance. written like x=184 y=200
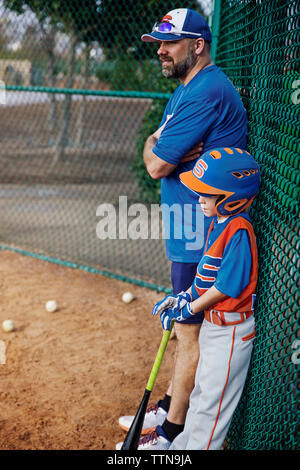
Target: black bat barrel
x=131 y=441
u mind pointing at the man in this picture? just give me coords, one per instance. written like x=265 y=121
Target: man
x=205 y=108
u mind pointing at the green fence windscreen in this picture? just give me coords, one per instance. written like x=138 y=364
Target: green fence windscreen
x=258 y=47
x=79 y=93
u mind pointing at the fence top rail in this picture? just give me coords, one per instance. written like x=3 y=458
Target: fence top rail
x=78 y=91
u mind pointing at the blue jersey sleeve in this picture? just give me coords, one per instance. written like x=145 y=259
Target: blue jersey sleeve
x=165 y=115
x=234 y=273
x=185 y=129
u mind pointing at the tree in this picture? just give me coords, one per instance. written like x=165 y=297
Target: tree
x=81 y=22
x=5 y=33
x=116 y=25
x=124 y=21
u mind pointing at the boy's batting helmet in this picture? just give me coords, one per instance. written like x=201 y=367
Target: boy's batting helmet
x=231 y=173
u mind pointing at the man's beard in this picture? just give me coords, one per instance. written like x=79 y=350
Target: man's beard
x=181 y=69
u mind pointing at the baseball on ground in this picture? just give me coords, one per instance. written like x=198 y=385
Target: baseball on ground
x=51 y=306
x=127 y=297
x=8 y=325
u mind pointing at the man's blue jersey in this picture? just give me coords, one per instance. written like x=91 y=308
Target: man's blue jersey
x=207 y=109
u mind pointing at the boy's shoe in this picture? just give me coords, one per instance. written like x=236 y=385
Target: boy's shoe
x=156 y=440
x=155 y=416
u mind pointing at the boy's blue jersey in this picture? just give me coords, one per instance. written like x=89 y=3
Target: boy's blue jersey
x=229 y=273
x=229 y=263
x=207 y=109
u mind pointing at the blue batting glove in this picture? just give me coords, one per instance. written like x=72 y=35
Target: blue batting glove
x=167 y=315
x=173 y=302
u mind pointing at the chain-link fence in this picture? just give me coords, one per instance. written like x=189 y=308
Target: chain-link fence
x=258 y=48
x=78 y=83
x=80 y=93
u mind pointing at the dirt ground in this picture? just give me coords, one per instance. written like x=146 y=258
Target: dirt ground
x=68 y=375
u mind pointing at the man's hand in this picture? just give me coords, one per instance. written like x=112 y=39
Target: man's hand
x=172 y=303
x=194 y=153
x=169 y=315
x=159 y=168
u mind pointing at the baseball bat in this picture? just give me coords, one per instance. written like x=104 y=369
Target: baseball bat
x=132 y=438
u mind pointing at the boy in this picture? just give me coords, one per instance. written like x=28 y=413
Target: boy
x=226 y=180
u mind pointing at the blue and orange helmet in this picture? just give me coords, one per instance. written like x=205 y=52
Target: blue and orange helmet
x=231 y=173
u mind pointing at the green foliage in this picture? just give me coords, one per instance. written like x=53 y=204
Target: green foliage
x=129 y=21
x=149 y=188
x=129 y=74
x=116 y=24
x=81 y=19
x=104 y=71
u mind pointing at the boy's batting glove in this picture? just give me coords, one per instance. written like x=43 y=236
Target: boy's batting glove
x=167 y=315
x=172 y=302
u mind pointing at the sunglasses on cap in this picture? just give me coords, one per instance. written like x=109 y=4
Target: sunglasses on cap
x=165 y=27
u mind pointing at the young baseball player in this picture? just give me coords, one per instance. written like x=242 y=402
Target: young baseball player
x=226 y=181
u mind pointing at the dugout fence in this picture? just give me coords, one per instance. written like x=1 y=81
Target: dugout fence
x=78 y=96
x=258 y=48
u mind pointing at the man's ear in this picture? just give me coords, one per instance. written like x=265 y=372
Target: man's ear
x=199 y=46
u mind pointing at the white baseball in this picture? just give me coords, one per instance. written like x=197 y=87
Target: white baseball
x=51 y=306
x=8 y=325
x=127 y=297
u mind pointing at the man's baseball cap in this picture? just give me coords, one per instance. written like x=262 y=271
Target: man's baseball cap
x=179 y=24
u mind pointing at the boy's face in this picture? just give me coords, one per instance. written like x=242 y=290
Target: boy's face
x=208 y=205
